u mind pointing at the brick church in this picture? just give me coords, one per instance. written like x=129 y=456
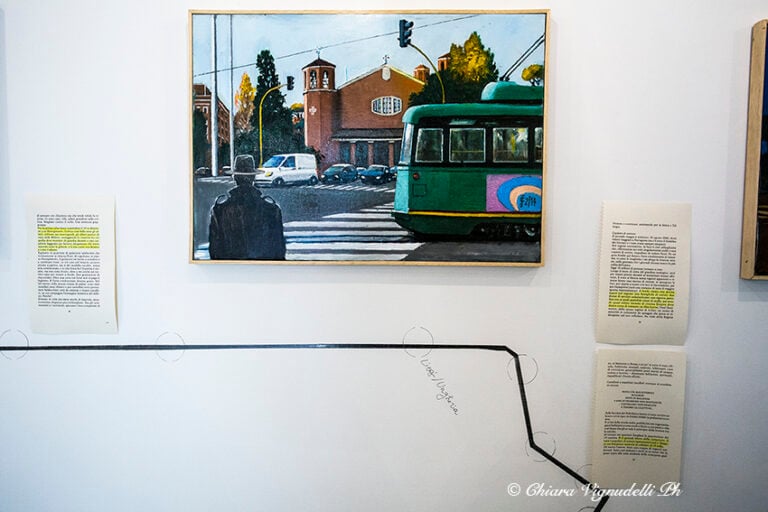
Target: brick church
x=359 y=122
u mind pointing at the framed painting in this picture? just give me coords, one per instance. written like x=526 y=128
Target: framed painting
x=413 y=138
x=754 y=240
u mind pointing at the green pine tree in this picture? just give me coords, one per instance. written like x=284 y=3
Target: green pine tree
x=279 y=134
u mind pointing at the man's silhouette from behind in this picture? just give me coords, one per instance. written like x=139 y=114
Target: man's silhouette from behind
x=244 y=224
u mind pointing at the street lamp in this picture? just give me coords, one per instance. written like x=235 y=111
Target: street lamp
x=404 y=38
x=289 y=85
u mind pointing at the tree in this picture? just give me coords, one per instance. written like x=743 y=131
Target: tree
x=473 y=62
x=533 y=74
x=470 y=68
x=278 y=133
x=274 y=110
x=244 y=104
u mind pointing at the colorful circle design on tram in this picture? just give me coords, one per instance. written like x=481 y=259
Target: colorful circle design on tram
x=513 y=193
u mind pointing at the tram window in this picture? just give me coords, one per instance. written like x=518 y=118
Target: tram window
x=407 y=146
x=467 y=145
x=510 y=144
x=538 y=135
x=429 y=145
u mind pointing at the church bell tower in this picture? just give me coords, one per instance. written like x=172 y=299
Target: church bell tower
x=320 y=108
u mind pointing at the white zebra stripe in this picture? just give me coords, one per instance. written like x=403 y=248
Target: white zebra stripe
x=356 y=215
x=341 y=224
x=353 y=246
x=350 y=232
x=344 y=257
x=366 y=188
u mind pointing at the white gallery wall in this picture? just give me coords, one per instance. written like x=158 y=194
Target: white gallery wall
x=646 y=101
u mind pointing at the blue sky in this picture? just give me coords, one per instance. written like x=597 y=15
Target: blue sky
x=355 y=43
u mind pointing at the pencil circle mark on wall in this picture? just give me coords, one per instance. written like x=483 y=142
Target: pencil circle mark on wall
x=543 y=440
x=583 y=471
x=173 y=339
x=529 y=368
x=418 y=336
x=14 y=338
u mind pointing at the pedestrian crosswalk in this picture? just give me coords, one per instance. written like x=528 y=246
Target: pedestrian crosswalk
x=217 y=179
x=369 y=234
x=355 y=185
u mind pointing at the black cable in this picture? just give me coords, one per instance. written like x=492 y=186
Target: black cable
x=339 y=346
x=342 y=43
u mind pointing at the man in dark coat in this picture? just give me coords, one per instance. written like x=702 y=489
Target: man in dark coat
x=244 y=225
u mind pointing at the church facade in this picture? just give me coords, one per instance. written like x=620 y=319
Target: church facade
x=359 y=122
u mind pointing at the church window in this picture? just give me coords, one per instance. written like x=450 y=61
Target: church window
x=387 y=105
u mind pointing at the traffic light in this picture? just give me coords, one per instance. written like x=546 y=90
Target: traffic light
x=290 y=83
x=406 y=29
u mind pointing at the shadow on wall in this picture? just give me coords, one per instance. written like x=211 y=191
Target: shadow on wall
x=5 y=194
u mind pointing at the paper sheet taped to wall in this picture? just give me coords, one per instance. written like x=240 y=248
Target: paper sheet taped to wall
x=638 y=420
x=644 y=274
x=72 y=264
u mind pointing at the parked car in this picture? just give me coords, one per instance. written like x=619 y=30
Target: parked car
x=377 y=174
x=288 y=168
x=339 y=173
x=203 y=171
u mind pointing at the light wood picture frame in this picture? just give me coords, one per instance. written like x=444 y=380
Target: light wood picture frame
x=754 y=240
x=324 y=123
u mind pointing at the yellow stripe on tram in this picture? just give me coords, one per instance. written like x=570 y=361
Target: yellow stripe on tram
x=478 y=215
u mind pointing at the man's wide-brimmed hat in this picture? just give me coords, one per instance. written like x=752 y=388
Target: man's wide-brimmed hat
x=244 y=164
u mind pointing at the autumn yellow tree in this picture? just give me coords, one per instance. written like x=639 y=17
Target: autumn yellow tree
x=533 y=74
x=471 y=66
x=473 y=62
x=244 y=104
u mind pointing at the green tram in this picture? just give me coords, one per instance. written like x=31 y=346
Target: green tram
x=473 y=169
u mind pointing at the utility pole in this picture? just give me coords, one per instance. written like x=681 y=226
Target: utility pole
x=289 y=85
x=214 y=116
x=232 y=99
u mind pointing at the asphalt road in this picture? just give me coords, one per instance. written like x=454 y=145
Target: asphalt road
x=298 y=202
x=352 y=222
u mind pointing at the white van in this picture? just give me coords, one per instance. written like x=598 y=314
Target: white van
x=289 y=168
